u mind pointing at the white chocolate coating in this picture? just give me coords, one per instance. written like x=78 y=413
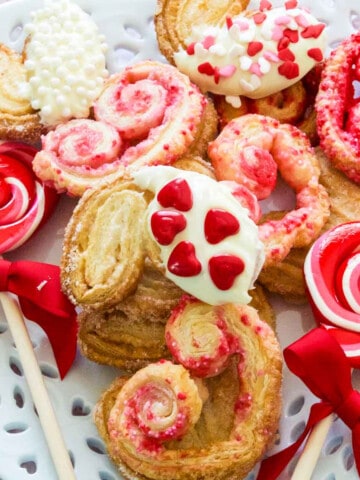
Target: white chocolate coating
x=255 y=54
x=65 y=62
x=245 y=244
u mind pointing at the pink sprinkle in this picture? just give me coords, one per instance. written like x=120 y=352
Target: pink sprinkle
x=277 y=33
x=227 y=71
x=301 y=20
x=242 y=25
x=208 y=42
x=256 y=70
x=265 y=5
x=259 y=18
x=270 y=56
x=283 y=20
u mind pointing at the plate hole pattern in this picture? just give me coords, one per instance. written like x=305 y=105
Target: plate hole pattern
x=333 y=445
x=15 y=366
x=19 y=397
x=30 y=466
x=14 y=428
x=96 y=445
x=79 y=408
x=106 y=476
x=348 y=458
x=296 y=406
x=49 y=371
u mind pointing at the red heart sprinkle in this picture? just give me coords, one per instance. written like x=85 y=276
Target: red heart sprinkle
x=283 y=43
x=265 y=5
x=315 y=54
x=224 y=269
x=219 y=224
x=292 y=35
x=166 y=224
x=291 y=4
x=190 y=50
x=259 y=18
x=183 y=261
x=289 y=70
x=254 y=48
x=286 y=54
x=313 y=31
x=176 y=194
x=206 y=68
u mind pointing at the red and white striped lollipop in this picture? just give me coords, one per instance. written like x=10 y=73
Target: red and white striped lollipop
x=25 y=203
x=332 y=277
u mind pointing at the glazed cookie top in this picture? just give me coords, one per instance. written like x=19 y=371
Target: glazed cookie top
x=65 y=62
x=208 y=244
x=256 y=53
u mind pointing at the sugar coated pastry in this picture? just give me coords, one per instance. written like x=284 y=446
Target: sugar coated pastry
x=103 y=255
x=148 y=114
x=332 y=275
x=24 y=201
x=18 y=120
x=255 y=53
x=337 y=106
x=286 y=277
x=250 y=150
x=131 y=334
x=207 y=244
x=174 y=20
x=166 y=423
x=65 y=62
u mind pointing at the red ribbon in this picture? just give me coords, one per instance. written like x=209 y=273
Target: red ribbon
x=321 y=364
x=38 y=288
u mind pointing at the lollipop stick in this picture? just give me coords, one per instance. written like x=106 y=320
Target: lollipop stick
x=57 y=448
x=310 y=455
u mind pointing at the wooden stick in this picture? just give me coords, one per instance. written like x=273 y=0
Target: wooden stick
x=33 y=375
x=310 y=455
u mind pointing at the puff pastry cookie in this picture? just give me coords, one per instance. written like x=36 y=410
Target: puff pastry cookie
x=167 y=422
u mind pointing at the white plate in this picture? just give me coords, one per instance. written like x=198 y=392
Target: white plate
x=130 y=35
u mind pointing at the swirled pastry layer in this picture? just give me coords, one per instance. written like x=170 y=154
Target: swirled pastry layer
x=18 y=121
x=286 y=278
x=163 y=423
x=148 y=114
x=103 y=256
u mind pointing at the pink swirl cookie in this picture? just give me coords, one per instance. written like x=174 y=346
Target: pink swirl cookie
x=148 y=114
x=24 y=202
x=332 y=276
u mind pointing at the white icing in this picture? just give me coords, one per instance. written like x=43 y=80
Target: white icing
x=65 y=62
x=207 y=194
x=234 y=41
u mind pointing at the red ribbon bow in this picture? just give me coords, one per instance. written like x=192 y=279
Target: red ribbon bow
x=321 y=364
x=38 y=288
